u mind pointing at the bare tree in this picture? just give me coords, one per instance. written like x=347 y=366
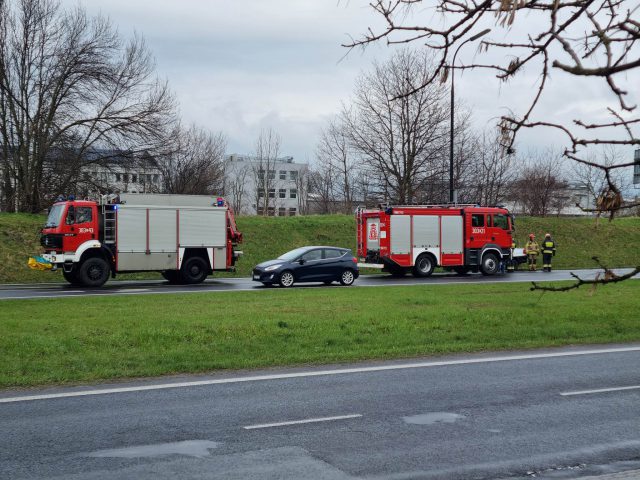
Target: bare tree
x=490 y=172
x=237 y=175
x=322 y=181
x=193 y=162
x=582 y=38
x=337 y=158
x=398 y=131
x=267 y=151
x=540 y=187
x=69 y=83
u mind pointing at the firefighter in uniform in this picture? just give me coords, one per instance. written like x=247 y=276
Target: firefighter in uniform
x=511 y=264
x=548 y=251
x=531 y=249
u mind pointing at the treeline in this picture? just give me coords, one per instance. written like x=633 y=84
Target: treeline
x=75 y=93
x=390 y=143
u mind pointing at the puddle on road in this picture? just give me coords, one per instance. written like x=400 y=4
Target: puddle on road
x=433 y=418
x=190 y=448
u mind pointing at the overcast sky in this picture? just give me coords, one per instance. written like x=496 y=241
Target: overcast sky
x=240 y=65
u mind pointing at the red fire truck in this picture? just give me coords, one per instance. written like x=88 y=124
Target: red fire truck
x=185 y=237
x=418 y=238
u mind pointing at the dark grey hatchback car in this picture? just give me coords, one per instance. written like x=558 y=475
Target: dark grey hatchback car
x=309 y=264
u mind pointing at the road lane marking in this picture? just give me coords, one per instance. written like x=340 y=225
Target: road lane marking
x=320 y=373
x=600 y=390
x=300 y=422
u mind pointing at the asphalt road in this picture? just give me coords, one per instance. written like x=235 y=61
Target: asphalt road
x=43 y=290
x=559 y=413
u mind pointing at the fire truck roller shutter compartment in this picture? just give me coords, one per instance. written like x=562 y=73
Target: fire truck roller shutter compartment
x=400 y=234
x=205 y=228
x=452 y=249
x=426 y=233
x=133 y=251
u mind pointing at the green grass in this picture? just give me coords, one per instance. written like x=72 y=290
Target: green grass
x=79 y=339
x=578 y=240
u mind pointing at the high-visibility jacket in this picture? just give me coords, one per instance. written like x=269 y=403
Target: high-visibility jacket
x=549 y=246
x=532 y=248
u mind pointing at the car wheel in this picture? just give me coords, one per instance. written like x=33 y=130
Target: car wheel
x=194 y=270
x=489 y=264
x=424 y=266
x=94 y=272
x=286 y=279
x=347 y=278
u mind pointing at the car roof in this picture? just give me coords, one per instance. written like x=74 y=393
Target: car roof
x=325 y=246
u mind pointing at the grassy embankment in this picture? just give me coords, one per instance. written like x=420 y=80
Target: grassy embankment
x=578 y=240
x=78 y=340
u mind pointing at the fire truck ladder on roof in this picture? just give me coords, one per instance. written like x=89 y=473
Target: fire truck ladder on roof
x=109 y=226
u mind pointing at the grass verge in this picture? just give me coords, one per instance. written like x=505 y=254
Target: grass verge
x=78 y=339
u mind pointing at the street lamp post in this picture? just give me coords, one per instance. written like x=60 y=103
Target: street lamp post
x=452 y=193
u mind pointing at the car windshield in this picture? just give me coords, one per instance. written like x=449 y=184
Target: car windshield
x=55 y=215
x=293 y=254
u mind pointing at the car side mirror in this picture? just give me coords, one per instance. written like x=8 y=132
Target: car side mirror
x=301 y=261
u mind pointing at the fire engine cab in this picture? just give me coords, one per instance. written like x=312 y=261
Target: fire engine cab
x=418 y=238
x=184 y=237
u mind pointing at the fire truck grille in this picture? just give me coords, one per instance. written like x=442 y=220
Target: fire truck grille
x=51 y=241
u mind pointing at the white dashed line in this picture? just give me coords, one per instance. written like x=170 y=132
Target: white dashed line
x=600 y=390
x=300 y=422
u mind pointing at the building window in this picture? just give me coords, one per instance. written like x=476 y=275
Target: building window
x=134 y=178
x=261 y=193
x=272 y=174
x=271 y=211
x=260 y=211
x=282 y=212
x=293 y=193
x=282 y=193
x=261 y=174
x=117 y=177
x=125 y=178
x=283 y=174
x=272 y=193
x=292 y=212
x=155 y=178
x=293 y=175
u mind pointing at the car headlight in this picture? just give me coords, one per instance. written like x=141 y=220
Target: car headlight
x=272 y=268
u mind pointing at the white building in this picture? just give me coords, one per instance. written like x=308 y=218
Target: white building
x=275 y=187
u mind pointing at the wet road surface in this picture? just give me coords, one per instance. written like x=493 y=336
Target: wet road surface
x=138 y=287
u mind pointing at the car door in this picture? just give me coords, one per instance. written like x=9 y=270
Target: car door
x=332 y=263
x=310 y=266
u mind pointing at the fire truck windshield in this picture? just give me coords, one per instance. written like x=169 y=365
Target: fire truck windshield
x=55 y=215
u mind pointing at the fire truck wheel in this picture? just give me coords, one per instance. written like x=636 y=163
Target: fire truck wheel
x=71 y=277
x=286 y=279
x=170 y=275
x=489 y=264
x=347 y=278
x=424 y=266
x=94 y=272
x=194 y=270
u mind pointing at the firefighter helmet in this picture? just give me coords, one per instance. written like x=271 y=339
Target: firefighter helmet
x=532 y=236
x=547 y=235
